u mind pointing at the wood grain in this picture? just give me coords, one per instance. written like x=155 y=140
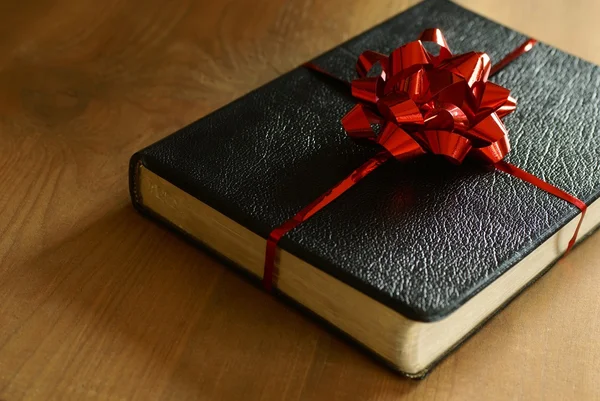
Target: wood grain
x=98 y=303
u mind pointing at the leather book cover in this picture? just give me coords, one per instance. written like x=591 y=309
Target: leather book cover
x=421 y=237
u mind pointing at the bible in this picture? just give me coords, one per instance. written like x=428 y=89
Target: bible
x=416 y=256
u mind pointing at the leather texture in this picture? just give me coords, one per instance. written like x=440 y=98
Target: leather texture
x=421 y=237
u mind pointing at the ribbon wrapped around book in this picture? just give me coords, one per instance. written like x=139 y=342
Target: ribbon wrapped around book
x=421 y=103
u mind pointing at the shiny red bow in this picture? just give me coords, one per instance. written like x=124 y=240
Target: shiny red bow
x=423 y=103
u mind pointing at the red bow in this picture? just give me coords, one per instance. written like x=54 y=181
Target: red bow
x=423 y=103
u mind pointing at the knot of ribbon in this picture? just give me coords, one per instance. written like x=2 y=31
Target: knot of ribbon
x=421 y=103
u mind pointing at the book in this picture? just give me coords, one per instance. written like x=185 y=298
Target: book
x=419 y=254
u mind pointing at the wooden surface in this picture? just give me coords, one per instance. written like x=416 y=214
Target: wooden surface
x=97 y=303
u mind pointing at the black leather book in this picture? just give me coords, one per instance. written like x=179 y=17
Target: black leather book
x=416 y=256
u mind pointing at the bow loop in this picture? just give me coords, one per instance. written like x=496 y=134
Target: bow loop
x=435 y=35
x=367 y=60
x=472 y=67
x=366 y=89
x=452 y=146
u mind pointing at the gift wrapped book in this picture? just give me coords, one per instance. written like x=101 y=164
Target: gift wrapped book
x=384 y=199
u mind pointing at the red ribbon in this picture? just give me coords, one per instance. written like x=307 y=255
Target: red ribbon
x=423 y=103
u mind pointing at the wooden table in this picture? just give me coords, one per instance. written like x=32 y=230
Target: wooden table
x=98 y=303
